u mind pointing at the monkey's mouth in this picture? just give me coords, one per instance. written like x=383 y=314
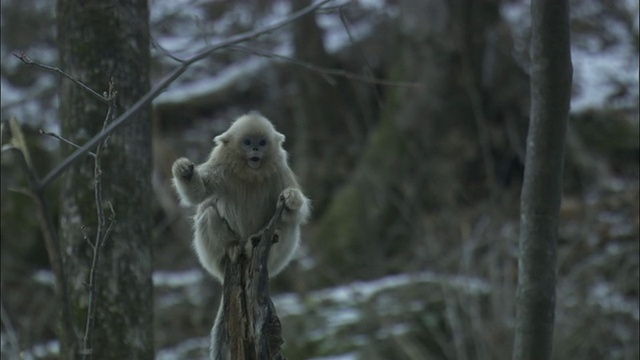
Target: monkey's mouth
x=254 y=162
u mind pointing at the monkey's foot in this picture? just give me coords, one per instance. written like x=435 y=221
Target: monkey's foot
x=234 y=251
x=182 y=169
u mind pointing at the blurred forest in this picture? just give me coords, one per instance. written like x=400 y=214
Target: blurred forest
x=406 y=124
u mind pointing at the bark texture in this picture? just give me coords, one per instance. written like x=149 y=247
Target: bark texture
x=99 y=40
x=247 y=326
x=551 y=75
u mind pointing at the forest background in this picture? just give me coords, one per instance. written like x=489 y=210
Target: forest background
x=406 y=123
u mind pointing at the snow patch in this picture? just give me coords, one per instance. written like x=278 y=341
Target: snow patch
x=226 y=78
x=172 y=279
x=609 y=300
x=44 y=277
x=347 y=356
x=183 y=349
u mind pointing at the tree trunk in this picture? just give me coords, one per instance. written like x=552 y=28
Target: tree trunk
x=100 y=40
x=542 y=189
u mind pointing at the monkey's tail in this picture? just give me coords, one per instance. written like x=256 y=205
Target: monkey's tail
x=218 y=351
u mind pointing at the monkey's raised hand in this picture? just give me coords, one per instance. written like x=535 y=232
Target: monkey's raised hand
x=188 y=182
x=183 y=168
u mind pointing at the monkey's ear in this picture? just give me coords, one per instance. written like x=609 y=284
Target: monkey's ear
x=222 y=139
x=280 y=138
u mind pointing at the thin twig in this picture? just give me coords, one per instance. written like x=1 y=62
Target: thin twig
x=165 y=52
x=12 y=335
x=26 y=60
x=352 y=41
x=472 y=89
x=112 y=222
x=165 y=82
x=368 y=67
x=323 y=70
x=85 y=236
x=66 y=141
x=101 y=234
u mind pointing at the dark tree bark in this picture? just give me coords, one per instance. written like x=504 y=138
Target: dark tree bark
x=542 y=189
x=247 y=326
x=100 y=40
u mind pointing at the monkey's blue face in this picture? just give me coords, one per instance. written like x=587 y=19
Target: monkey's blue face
x=255 y=149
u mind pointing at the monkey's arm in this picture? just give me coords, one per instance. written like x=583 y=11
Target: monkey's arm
x=188 y=182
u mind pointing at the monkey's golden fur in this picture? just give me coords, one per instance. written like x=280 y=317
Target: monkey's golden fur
x=237 y=191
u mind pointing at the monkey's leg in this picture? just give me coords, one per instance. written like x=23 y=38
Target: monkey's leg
x=214 y=241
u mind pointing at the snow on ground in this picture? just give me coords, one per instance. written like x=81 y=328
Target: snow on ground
x=347 y=356
x=183 y=349
x=348 y=298
x=362 y=290
x=345 y=311
x=177 y=279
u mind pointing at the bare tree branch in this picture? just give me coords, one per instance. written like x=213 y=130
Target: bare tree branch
x=165 y=82
x=325 y=71
x=25 y=59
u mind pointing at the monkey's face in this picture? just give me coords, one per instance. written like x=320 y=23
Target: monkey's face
x=255 y=149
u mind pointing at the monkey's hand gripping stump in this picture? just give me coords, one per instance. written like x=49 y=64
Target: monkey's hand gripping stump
x=249 y=328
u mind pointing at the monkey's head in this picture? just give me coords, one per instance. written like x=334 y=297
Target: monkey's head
x=252 y=143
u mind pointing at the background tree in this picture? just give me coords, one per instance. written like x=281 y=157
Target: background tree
x=430 y=150
x=99 y=41
x=551 y=73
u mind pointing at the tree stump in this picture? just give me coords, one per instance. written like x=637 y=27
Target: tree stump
x=247 y=326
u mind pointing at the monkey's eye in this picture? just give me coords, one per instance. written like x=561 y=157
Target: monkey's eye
x=247 y=142
x=262 y=142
